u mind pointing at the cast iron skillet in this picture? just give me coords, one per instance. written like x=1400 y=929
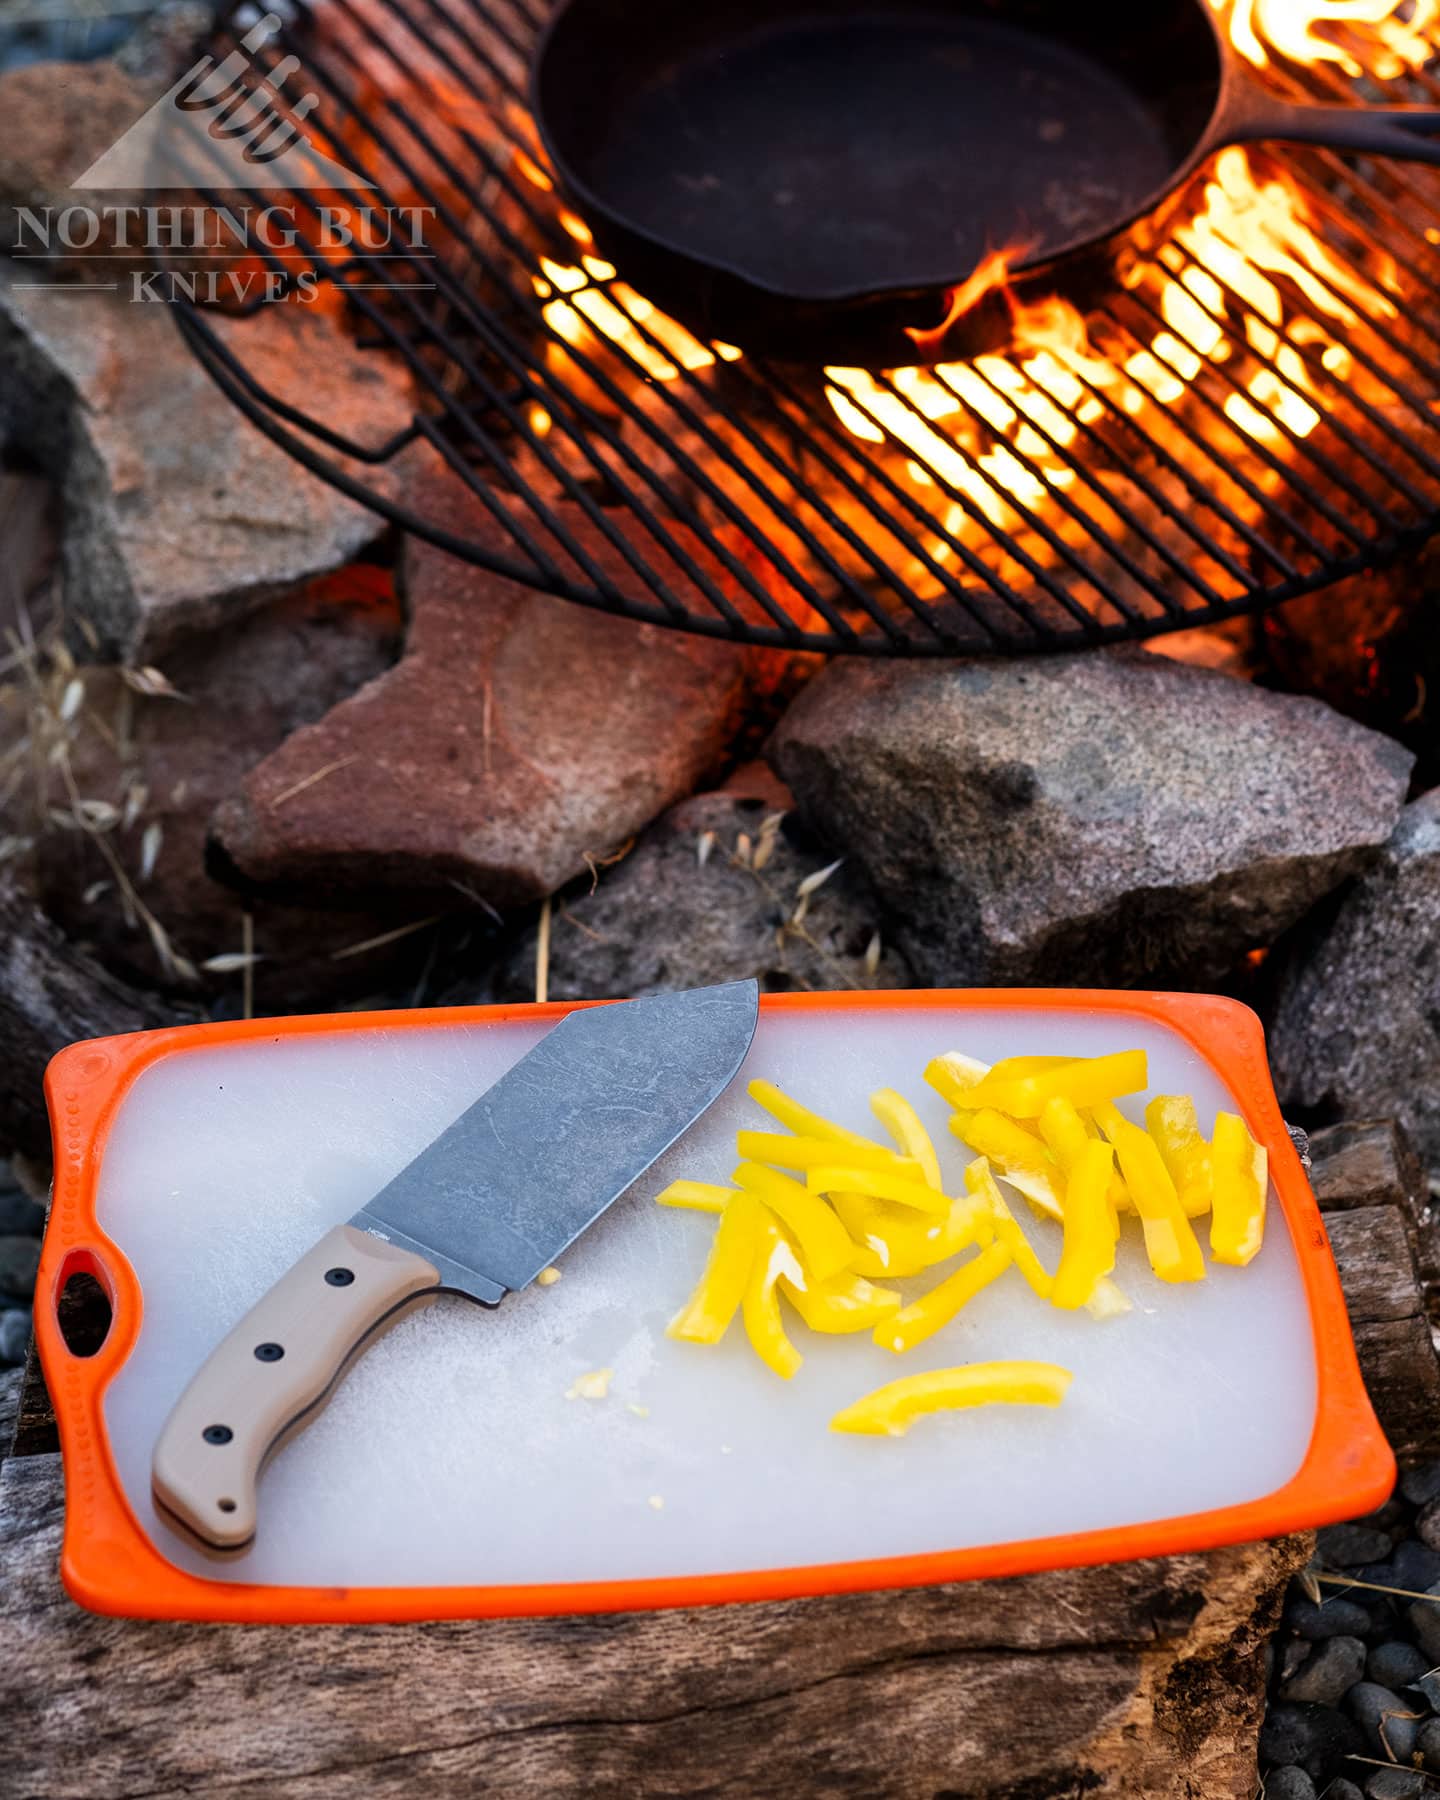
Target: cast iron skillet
x=805 y=178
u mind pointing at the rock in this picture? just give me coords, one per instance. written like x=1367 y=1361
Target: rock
x=178 y=513
x=1391 y=1725
x=519 y=740
x=1421 y=1486
x=1424 y=1617
x=1395 y=1784
x=50 y=995
x=14 y=1336
x=1428 y=1685
x=1316 y=1737
x=1332 y=1618
x=1347 y=1546
x=1428 y=1743
x=1289 y=1784
x=1106 y=818
x=1427 y=1525
x=21 y=1215
x=1357 y=1021
x=1343 y=1790
x=1395 y=1665
x=19 y=1259
x=58 y=118
x=1329 y=1673
x=245 y=690
x=1412 y=1565
x=662 y=919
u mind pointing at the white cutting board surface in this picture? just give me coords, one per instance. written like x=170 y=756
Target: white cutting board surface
x=450 y=1455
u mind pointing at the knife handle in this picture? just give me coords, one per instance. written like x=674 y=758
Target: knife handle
x=272 y=1373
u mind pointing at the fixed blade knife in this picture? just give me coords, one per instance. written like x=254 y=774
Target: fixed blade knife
x=492 y=1201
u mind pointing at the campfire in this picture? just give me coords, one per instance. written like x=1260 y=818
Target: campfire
x=1243 y=411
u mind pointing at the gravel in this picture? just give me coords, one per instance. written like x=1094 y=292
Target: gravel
x=1395 y=1784
x=1391 y=1724
x=1396 y=1664
x=1420 y=1486
x=1289 y=1784
x=1347 y=1546
x=1427 y=1525
x=1428 y=1743
x=1316 y=1737
x=19 y=1259
x=1425 y=1625
x=1330 y=1672
x=1331 y=1618
x=14 y=1336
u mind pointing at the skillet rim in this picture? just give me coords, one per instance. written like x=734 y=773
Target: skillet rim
x=1209 y=140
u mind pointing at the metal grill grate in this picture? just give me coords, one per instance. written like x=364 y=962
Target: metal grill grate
x=1222 y=433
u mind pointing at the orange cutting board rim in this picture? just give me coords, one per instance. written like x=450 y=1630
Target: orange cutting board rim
x=109 y=1564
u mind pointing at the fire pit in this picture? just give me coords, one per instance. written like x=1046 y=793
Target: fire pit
x=1243 y=411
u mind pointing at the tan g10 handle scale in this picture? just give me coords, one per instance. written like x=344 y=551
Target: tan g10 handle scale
x=271 y=1373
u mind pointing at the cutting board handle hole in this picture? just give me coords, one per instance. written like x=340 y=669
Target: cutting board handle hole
x=83 y=1310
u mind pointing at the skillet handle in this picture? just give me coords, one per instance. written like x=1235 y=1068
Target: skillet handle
x=1408 y=133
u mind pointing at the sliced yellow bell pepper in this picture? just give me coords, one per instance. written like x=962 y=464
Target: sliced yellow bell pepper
x=1107 y=1301
x=848 y=1303
x=1090 y=1226
x=761 y=1305
x=896 y=1241
x=902 y=1121
x=903 y=1190
x=1171 y=1121
x=788 y=1152
x=1240 y=1170
x=1020 y=1156
x=953 y=1076
x=801 y=1120
x=891 y=1410
x=981 y=1182
x=1169 y=1241
x=706 y=1315
x=925 y=1316
x=1085 y=1081
x=695 y=1196
x=822 y=1241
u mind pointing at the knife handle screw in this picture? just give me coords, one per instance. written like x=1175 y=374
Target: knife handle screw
x=217 y=1434
x=339 y=1277
x=269 y=1352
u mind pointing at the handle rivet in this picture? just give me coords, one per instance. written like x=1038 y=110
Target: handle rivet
x=269 y=1352
x=339 y=1277
x=226 y=1505
x=217 y=1434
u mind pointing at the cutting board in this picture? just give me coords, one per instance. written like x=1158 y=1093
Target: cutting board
x=452 y=1472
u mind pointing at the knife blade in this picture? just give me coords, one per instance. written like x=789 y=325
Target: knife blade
x=492 y=1201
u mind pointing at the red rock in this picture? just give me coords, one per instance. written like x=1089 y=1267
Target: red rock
x=518 y=736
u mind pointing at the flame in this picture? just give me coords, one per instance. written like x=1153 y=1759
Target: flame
x=990 y=273
x=1254 y=311
x=1295 y=30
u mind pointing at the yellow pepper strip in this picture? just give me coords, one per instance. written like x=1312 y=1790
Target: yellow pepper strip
x=789 y=1152
x=802 y=1121
x=1085 y=1081
x=891 y=1410
x=1241 y=1170
x=761 y=1304
x=848 y=1303
x=1169 y=1241
x=1017 y=1068
x=822 y=1241
x=952 y=1076
x=706 y=1315
x=903 y=1190
x=1020 y=1156
x=925 y=1316
x=902 y=1121
x=896 y=1241
x=695 y=1196
x=1107 y=1301
x=1090 y=1227
x=1171 y=1121
x=981 y=1182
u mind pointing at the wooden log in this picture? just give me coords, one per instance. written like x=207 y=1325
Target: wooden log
x=1365 y=1162
x=1143 y=1680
